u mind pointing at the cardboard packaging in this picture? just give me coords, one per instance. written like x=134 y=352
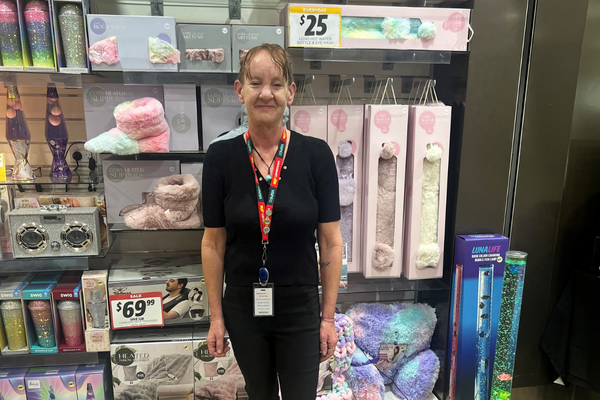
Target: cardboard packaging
x=194 y=169
x=95 y=300
x=189 y=303
x=345 y=124
x=471 y=253
x=428 y=128
x=210 y=372
x=204 y=48
x=221 y=112
x=12 y=383
x=11 y=289
x=401 y=28
x=100 y=100
x=58 y=37
x=309 y=120
x=34 y=292
x=127 y=181
x=132 y=34
x=385 y=124
x=245 y=37
x=182 y=117
x=160 y=356
x=69 y=289
x=56 y=382
x=92 y=382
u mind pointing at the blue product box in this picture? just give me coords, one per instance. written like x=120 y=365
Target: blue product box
x=12 y=383
x=47 y=277
x=473 y=252
x=45 y=383
x=39 y=292
x=91 y=382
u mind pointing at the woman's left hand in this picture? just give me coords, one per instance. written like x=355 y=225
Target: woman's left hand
x=328 y=338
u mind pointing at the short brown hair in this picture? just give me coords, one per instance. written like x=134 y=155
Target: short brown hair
x=279 y=56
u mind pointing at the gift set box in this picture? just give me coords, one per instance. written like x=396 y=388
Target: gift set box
x=345 y=137
x=95 y=300
x=426 y=191
x=205 y=48
x=182 y=289
x=309 y=120
x=127 y=182
x=182 y=116
x=161 y=359
x=56 y=382
x=12 y=383
x=91 y=382
x=221 y=112
x=39 y=310
x=383 y=215
x=16 y=325
x=132 y=43
x=69 y=317
x=245 y=37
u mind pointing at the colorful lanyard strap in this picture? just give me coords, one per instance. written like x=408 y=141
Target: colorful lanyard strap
x=265 y=211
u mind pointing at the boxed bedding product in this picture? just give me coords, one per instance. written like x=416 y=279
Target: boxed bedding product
x=205 y=48
x=156 y=363
x=182 y=289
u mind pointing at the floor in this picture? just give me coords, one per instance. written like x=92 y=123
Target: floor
x=553 y=392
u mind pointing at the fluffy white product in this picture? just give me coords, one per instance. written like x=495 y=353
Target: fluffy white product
x=396 y=28
x=347 y=189
x=429 y=250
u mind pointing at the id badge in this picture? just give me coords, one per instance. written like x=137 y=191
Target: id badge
x=263 y=300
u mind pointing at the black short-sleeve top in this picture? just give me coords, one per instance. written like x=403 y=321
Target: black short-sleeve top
x=307 y=195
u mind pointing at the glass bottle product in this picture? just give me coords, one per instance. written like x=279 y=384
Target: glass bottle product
x=14 y=324
x=42 y=321
x=70 y=19
x=90 y=392
x=57 y=135
x=70 y=319
x=37 y=20
x=17 y=135
x=10 y=38
x=96 y=306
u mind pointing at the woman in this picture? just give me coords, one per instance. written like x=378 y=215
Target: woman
x=285 y=343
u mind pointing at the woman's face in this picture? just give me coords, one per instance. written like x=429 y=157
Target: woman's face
x=265 y=91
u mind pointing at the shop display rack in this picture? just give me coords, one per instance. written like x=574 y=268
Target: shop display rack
x=40 y=360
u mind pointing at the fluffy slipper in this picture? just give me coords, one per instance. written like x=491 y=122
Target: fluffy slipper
x=153 y=217
x=141 y=118
x=114 y=141
x=179 y=194
x=155 y=144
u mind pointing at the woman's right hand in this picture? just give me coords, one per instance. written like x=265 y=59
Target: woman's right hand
x=218 y=346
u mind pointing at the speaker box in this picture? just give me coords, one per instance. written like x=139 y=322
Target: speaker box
x=54 y=232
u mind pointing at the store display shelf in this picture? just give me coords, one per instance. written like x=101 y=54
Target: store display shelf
x=41 y=79
x=121 y=227
x=137 y=260
x=359 y=285
x=12 y=265
x=178 y=77
x=40 y=360
x=184 y=156
x=46 y=180
x=375 y=55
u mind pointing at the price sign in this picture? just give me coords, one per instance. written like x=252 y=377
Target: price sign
x=315 y=26
x=139 y=310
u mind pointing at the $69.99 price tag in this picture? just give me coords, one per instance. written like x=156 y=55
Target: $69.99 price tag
x=315 y=26
x=136 y=310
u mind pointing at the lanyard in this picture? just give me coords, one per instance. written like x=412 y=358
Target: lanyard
x=265 y=211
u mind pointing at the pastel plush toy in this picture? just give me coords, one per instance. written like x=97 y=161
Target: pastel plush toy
x=429 y=250
x=411 y=370
x=141 y=128
x=345 y=168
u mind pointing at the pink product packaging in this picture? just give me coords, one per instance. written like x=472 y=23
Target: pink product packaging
x=309 y=120
x=384 y=174
x=426 y=190
x=345 y=137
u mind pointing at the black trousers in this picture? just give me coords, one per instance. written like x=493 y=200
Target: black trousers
x=284 y=346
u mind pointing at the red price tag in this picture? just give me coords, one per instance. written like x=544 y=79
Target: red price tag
x=139 y=310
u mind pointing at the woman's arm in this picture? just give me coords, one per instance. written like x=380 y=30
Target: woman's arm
x=213 y=254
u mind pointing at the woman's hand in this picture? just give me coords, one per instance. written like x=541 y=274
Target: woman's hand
x=328 y=338
x=218 y=346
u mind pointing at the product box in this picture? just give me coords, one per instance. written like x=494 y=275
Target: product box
x=221 y=112
x=385 y=27
x=40 y=313
x=216 y=374
x=476 y=291
x=162 y=357
x=204 y=48
x=69 y=37
x=33 y=39
x=12 y=307
x=194 y=169
x=384 y=172
x=100 y=100
x=6 y=205
x=309 y=120
x=12 y=383
x=56 y=382
x=69 y=317
x=345 y=137
x=47 y=277
x=127 y=182
x=92 y=382
x=426 y=191
x=182 y=289
x=95 y=299
x=245 y=37
x=134 y=39
x=182 y=116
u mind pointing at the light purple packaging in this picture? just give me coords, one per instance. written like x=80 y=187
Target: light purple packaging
x=182 y=116
x=221 y=112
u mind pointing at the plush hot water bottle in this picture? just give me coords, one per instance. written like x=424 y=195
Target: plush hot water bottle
x=383 y=254
x=345 y=167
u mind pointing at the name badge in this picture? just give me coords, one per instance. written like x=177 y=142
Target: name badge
x=263 y=300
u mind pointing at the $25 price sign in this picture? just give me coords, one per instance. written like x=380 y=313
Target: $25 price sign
x=315 y=26
x=138 y=310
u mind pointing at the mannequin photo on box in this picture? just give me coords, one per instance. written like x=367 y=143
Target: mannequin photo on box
x=264 y=194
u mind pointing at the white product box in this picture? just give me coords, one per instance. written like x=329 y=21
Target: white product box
x=345 y=124
x=97 y=328
x=382 y=230
x=156 y=360
x=245 y=37
x=309 y=120
x=182 y=116
x=221 y=112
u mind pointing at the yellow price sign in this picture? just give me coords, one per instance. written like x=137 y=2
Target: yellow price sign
x=2 y=167
x=314 y=26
